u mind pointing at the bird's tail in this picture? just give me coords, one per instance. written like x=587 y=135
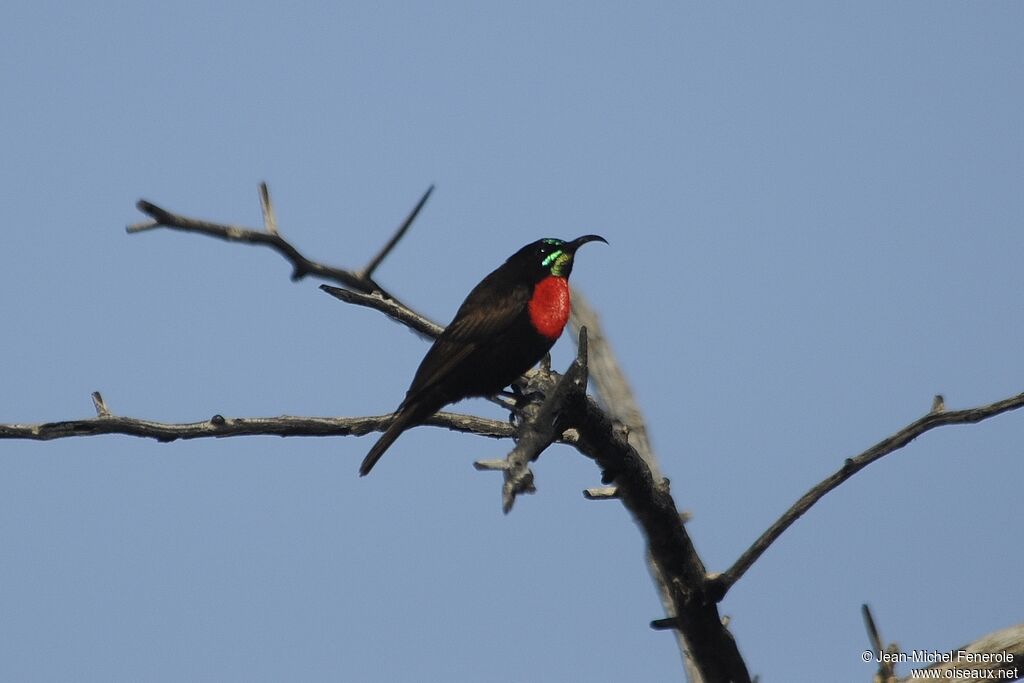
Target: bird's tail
x=407 y=417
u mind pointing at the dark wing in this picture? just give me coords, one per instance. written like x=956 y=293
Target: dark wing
x=486 y=313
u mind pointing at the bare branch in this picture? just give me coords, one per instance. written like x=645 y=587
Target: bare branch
x=708 y=649
x=679 y=570
x=367 y=272
x=723 y=582
x=219 y=426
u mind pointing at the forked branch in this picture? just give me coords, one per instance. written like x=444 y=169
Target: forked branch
x=270 y=236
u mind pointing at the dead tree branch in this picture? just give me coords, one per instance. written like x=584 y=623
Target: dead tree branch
x=362 y=290
x=219 y=426
x=940 y=418
x=679 y=567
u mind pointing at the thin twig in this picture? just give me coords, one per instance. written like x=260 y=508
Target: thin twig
x=886 y=672
x=367 y=272
x=723 y=582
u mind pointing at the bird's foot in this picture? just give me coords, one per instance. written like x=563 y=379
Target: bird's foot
x=522 y=400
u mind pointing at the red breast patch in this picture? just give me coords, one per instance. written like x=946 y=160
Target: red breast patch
x=549 y=306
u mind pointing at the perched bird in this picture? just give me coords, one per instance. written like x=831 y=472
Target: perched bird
x=503 y=328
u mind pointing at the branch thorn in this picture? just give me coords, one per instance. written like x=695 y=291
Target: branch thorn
x=491 y=465
x=601 y=493
x=666 y=624
x=267 y=207
x=100 y=405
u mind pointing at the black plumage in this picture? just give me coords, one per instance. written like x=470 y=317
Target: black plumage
x=493 y=338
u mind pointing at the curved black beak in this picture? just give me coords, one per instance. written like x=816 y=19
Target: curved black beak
x=571 y=247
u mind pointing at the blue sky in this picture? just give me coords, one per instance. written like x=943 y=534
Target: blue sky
x=814 y=215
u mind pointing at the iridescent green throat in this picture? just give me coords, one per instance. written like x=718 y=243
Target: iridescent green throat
x=557 y=259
